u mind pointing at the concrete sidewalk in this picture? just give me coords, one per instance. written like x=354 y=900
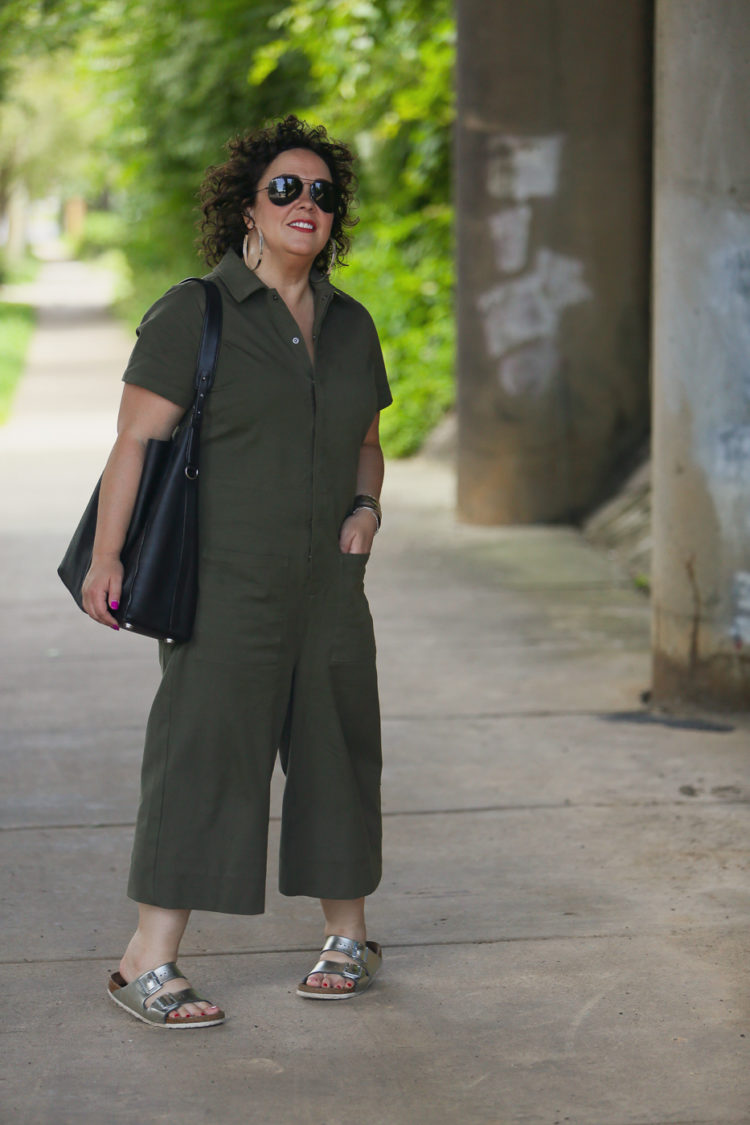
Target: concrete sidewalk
x=565 y=903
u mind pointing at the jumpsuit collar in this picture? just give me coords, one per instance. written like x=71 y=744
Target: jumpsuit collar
x=242 y=282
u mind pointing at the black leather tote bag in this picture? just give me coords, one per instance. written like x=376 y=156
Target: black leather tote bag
x=160 y=553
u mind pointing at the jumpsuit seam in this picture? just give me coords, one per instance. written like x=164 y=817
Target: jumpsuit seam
x=314 y=400
x=162 y=795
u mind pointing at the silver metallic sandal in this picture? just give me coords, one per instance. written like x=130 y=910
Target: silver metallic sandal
x=132 y=997
x=366 y=959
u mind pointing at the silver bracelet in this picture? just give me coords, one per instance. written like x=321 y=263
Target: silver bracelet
x=367 y=508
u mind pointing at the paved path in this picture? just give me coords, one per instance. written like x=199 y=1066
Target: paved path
x=565 y=904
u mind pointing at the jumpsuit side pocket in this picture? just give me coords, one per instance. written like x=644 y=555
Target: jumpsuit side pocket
x=353 y=637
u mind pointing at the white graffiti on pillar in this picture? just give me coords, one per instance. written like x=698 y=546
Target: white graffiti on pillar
x=528 y=307
x=733 y=453
x=521 y=314
x=510 y=235
x=527 y=370
x=523 y=167
x=741 y=607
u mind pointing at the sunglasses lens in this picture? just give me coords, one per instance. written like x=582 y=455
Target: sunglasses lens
x=323 y=192
x=284 y=189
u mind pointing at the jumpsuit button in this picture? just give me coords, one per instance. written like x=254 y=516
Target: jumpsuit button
x=295 y=339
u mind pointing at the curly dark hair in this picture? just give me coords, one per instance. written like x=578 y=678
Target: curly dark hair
x=228 y=188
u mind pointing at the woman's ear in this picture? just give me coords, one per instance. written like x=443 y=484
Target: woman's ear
x=249 y=219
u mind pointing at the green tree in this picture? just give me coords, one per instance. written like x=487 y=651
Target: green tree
x=173 y=82
x=381 y=72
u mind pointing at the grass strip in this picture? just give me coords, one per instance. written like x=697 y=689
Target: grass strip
x=16 y=327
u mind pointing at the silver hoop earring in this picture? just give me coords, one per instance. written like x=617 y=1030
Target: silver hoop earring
x=260 y=248
x=246 y=247
x=332 y=262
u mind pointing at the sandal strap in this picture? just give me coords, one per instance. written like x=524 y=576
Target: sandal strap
x=170 y=1001
x=340 y=968
x=357 y=950
x=147 y=983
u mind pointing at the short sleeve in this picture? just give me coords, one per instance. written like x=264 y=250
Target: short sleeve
x=165 y=356
x=383 y=390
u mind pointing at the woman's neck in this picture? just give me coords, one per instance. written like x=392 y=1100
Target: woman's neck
x=291 y=280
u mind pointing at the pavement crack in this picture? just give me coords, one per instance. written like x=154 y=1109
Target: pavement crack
x=552 y=806
x=446 y=943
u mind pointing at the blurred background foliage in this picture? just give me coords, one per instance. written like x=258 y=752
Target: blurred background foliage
x=125 y=103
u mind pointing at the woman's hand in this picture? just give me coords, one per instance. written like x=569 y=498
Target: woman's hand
x=357 y=532
x=101 y=589
x=358 y=529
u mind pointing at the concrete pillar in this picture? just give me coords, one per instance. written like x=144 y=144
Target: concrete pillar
x=553 y=223
x=701 y=354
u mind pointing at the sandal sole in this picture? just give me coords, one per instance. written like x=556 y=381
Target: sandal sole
x=169 y=1025
x=331 y=995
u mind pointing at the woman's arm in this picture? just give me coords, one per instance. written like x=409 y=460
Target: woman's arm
x=358 y=530
x=142 y=415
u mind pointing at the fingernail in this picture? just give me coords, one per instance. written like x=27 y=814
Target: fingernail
x=115 y=627
x=114 y=605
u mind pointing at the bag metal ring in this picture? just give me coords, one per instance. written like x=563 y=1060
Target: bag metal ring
x=191 y=473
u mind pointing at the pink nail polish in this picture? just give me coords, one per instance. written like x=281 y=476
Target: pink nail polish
x=115 y=627
x=114 y=605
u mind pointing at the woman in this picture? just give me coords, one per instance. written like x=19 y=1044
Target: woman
x=282 y=657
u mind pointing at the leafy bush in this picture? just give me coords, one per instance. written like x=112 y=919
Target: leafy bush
x=16 y=270
x=403 y=273
x=16 y=327
x=102 y=231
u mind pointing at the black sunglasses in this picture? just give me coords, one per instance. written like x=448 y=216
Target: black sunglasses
x=285 y=189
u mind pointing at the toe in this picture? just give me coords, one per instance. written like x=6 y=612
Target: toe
x=188 y=1011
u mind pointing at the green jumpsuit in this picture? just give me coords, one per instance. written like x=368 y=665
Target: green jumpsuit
x=282 y=657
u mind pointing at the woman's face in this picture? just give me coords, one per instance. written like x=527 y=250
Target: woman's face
x=299 y=228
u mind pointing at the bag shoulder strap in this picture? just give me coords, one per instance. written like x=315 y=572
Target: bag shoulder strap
x=205 y=371
x=208 y=352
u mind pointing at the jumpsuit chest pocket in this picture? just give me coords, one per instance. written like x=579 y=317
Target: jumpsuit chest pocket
x=353 y=639
x=243 y=607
